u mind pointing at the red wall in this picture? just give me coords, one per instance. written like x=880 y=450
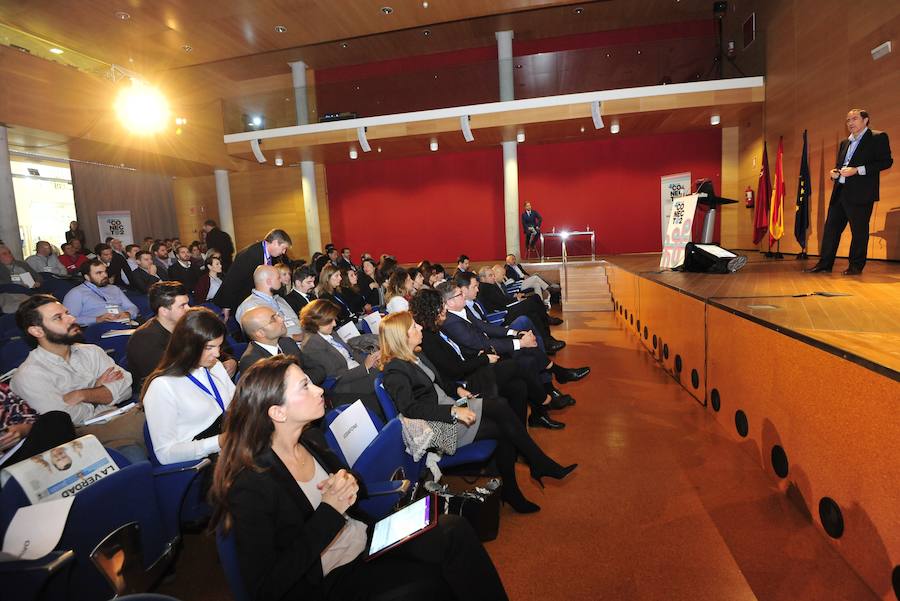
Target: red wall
x=434 y=206
x=443 y=204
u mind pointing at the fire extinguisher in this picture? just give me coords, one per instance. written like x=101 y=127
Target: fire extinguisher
x=748 y=198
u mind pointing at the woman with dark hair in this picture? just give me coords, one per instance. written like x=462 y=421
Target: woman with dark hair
x=291 y=505
x=329 y=288
x=210 y=281
x=418 y=280
x=485 y=374
x=368 y=286
x=351 y=293
x=399 y=291
x=186 y=396
x=419 y=392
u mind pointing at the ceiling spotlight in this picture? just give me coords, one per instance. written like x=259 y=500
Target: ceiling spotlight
x=180 y=121
x=434 y=145
x=187 y=48
x=122 y=15
x=519 y=66
x=280 y=29
x=279 y=161
x=142 y=109
x=379 y=148
x=614 y=128
x=608 y=55
x=578 y=11
x=257 y=121
x=56 y=51
x=638 y=51
x=426 y=33
x=353 y=154
x=715 y=120
x=345 y=45
x=520 y=137
x=387 y=10
x=582 y=129
x=425 y=5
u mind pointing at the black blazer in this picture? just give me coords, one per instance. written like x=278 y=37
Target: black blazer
x=288 y=346
x=368 y=293
x=354 y=300
x=186 y=275
x=512 y=275
x=116 y=266
x=492 y=298
x=279 y=536
x=296 y=300
x=141 y=280
x=221 y=241
x=874 y=153
x=534 y=220
x=413 y=391
x=146 y=346
x=238 y=282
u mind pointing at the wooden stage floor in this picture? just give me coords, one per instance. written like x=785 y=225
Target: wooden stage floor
x=860 y=323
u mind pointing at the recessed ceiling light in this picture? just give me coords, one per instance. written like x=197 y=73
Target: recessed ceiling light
x=280 y=29
x=122 y=15
x=608 y=55
x=518 y=66
x=426 y=33
x=433 y=145
x=520 y=137
x=56 y=51
x=345 y=45
x=582 y=129
x=257 y=121
x=353 y=154
x=715 y=120
x=578 y=11
x=425 y=5
x=187 y=48
x=379 y=149
x=638 y=51
x=279 y=161
x=387 y=10
x=614 y=128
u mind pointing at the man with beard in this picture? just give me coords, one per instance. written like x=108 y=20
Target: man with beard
x=95 y=301
x=62 y=374
x=266 y=280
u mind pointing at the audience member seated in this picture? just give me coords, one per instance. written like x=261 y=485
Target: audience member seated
x=146 y=273
x=438 y=275
x=185 y=398
x=266 y=281
x=183 y=269
x=161 y=259
x=116 y=266
x=354 y=373
x=302 y=291
x=284 y=277
x=517 y=273
x=329 y=258
x=399 y=291
x=420 y=393
x=329 y=289
x=268 y=336
x=62 y=374
x=368 y=285
x=346 y=260
x=71 y=259
x=95 y=301
x=197 y=258
x=351 y=293
x=210 y=281
x=290 y=505
x=486 y=373
x=131 y=252
x=19 y=423
x=239 y=280
x=462 y=265
x=44 y=261
x=12 y=270
x=536 y=301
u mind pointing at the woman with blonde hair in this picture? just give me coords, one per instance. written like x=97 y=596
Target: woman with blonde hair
x=419 y=393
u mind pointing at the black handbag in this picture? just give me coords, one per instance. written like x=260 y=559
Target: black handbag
x=480 y=505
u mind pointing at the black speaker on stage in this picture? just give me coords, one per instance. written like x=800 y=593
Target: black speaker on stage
x=709 y=258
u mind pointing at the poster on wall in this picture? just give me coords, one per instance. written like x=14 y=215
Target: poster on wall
x=678 y=231
x=671 y=187
x=116 y=224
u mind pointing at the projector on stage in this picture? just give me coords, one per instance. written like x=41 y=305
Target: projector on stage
x=709 y=258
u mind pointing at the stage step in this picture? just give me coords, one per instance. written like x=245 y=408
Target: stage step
x=586 y=288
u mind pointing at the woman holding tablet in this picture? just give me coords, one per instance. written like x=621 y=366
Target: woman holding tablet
x=419 y=393
x=291 y=506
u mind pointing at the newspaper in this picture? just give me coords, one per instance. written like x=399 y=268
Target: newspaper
x=62 y=471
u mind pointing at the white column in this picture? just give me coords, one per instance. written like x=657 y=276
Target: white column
x=223 y=196
x=307 y=168
x=505 y=66
x=511 y=196
x=298 y=75
x=9 y=218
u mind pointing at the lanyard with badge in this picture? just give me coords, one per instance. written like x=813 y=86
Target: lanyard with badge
x=215 y=391
x=111 y=308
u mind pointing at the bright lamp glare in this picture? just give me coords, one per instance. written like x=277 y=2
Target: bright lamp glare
x=564 y=235
x=142 y=109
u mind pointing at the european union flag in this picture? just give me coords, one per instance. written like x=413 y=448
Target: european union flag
x=804 y=190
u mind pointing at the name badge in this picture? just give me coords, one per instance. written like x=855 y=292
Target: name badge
x=15 y=278
x=112 y=309
x=289 y=323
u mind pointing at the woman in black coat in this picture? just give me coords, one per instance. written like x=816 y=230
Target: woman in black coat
x=419 y=393
x=291 y=506
x=485 y=374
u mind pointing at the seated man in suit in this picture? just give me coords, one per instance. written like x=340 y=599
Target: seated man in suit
x=183 y=269
x=462 y=264
x=266 y=280
x=161 y=259
x=116 y=267
x=475 y=336
x=302 y=293
x=517 y=273
x=500 y=277
x=145 y=275
x=267 y=334
x=95 y=301
x=346 y=260
x=168 y=301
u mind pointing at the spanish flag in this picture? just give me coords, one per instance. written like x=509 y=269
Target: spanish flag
x=776 y=206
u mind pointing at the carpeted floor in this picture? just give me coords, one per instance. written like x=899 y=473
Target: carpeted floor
x=663 y=504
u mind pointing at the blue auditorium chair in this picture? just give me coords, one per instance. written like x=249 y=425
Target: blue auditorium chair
x=227 y=548
x=141 y=302
x=12 y=353
x=114 y=346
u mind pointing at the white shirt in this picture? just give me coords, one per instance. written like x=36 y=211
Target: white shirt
x=44 y=377
x=214 y=284
x=177 y=410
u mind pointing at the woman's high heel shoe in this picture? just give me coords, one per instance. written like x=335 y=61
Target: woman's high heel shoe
x=557 y=472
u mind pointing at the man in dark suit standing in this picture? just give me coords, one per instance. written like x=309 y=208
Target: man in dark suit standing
x=531 y=226
x=860 y=160
x=238 y=281
x=219 y=240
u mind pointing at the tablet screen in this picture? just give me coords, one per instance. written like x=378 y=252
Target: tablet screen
x=397 y=527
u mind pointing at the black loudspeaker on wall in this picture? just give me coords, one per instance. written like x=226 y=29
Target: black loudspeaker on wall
x=709 y=258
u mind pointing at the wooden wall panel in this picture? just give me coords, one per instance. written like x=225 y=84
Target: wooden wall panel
x=818 y=67
x=195 y=202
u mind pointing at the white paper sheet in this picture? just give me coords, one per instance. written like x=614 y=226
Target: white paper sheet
x=348 y=331
x=354 y=431
x=373 y=319
x=36 y=529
